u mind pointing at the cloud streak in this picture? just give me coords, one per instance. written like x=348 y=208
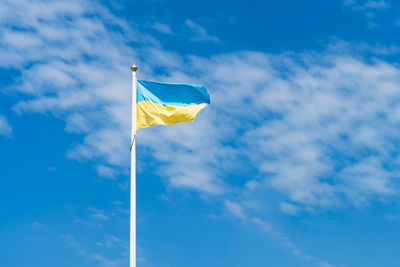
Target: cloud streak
x=200 y=33
x=367 y=4
x=370 y=8
x=308 y=122
x=239 y=211
x=163 y=28
x=5 y=127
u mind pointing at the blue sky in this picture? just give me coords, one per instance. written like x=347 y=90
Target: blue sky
x=295 y=162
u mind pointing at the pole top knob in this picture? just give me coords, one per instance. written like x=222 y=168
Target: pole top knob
x=134 y=68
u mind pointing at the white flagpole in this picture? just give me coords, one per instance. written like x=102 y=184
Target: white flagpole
x=132 y=253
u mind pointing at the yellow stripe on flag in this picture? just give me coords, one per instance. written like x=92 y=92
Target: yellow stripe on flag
x=149 y=113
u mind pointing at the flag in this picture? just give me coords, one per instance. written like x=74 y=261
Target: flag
x=168 y=103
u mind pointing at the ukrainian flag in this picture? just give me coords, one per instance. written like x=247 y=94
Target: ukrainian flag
x=168 y=103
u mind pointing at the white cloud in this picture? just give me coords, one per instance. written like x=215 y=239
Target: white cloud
x=78 y=123
x=200 y=34
x=163 y=28
x=326 y=117
x=321 y=128
x=367 y=4
x=303 y=119
x=5 y=127
x=110 y=241
x=99 y=214
x=370 y=8
x=235 y=209
x=289 y=208
x=240 y=211
x=318 y=127
x=103 y=261
x=103 y=242
x=70 y=240
x=106 y=171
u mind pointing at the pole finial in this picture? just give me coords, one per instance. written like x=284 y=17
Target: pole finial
x=134 y=67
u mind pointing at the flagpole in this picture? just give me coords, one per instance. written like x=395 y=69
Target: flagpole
x=132 y=252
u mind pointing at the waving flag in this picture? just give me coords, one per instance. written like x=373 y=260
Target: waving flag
x=158 y=103
x=168 y=103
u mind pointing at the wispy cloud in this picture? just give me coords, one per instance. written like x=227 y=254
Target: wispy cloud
x=163 y=28
x=369 y=7
x=289 y=208
x=81 y=250
x=70 y=240
x=106 y=171
x=5 y=127
x=235 y=209
x=311 y=125
x=320 y=128
x=305 y=131
x=239 y=211
x=367 y=4
x=200 y=33
x=101 y=243
x=99 y=214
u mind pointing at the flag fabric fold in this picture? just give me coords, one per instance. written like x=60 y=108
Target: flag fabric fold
x=168 y=103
